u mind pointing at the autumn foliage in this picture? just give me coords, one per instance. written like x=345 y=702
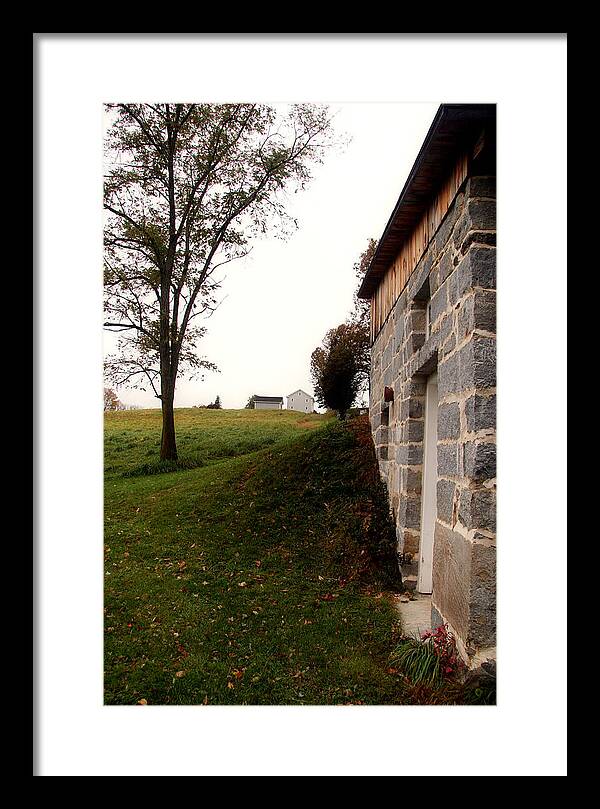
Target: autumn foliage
x=340 y=367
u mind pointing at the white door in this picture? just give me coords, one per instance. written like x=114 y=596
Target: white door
x=429 y=492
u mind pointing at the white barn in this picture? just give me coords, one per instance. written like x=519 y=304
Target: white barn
x=268 y=402
x=301 y=401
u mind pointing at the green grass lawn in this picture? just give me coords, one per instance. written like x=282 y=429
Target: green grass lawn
x=257 y=577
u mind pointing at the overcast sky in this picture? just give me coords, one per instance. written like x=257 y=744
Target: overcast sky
x=279 y=301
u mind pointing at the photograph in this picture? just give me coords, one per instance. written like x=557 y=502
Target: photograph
x=295 y=516
x=289 y=297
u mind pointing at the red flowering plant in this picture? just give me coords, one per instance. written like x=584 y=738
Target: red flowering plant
x=428 y=660
x=444 y=646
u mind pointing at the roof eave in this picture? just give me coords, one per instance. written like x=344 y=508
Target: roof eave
x=461 y=119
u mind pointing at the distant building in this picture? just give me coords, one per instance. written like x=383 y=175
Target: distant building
x=268 y=402
x=301 y=401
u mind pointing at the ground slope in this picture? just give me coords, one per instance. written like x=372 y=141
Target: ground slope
x=255 y=579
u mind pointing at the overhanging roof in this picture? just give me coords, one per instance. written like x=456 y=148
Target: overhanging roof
x=453 y=127
x=268 y=398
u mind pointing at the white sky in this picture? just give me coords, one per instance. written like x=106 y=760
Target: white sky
x=281 y=299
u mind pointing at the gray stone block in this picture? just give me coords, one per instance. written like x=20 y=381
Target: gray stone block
x=412 y=430
x=479 y=460
x=454 y=294
x=445 y=500
x=477 y=509
x=479 y=238
x=446 y=326
x=452 y=577
x=375 y=417
x=448 y=422
x=445 y=266
x=425 y=362
x=399 y=331
x=476 y=311
x=410 y=481
x=409 y=454
x=434 y=280
x=387 y=355
x=411 y=408
x=482 y=601
x=447 y=347
x=448 y=376
x=448 y=460
x=381 y=435
x=415 y=341
x=482 y=187
x=480 y=412
x=417 y=320
x=465 y=317
x=461 y=229
x=439 y=303
x=482 y=214
x=409 y=512
x=484 y=311
x=414 y=387
x=477 y=363
x=477 y=269
x=484 y=362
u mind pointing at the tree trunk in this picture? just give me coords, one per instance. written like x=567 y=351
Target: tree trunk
x=168 y=445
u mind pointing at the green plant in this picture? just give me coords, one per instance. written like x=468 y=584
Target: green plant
x=430 y=659
x=418 y=661
x=444 y=647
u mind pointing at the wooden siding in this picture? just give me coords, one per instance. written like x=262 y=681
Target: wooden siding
x=396 y=277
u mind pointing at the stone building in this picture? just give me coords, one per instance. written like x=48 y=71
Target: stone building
x=432 y=285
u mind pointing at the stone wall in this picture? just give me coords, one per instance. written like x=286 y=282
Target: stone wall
x=453 y=291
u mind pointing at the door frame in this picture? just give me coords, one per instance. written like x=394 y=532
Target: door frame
x=429 y=488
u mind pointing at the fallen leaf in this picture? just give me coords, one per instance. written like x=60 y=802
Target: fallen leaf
x=230 y=685
x=142 y=702
x=179 y=673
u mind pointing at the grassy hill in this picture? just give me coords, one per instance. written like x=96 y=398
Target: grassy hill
x=255 y=574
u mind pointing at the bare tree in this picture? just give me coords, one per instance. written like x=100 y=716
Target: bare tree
x=187 y=187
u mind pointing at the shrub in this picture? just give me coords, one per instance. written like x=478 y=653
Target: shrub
x=430 y=659
x=444 y=647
